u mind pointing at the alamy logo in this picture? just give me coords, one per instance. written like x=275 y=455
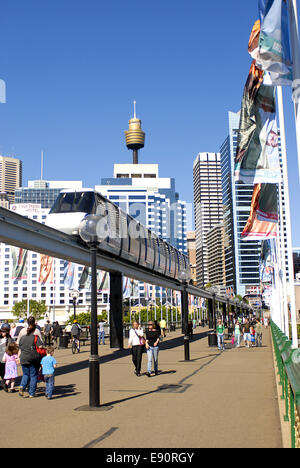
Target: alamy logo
x=2 y=92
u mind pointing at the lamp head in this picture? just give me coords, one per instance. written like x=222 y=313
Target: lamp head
x=185 y=276
x=88 y=229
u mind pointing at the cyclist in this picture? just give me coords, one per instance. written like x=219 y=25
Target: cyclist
x=75 y=332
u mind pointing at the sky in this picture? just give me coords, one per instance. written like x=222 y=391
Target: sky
x=73 y=68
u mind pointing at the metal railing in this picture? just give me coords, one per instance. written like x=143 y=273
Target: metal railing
x=288 y=367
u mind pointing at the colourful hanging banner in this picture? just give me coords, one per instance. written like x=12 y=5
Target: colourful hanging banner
x=257 y=156
x=274 y=50
x=19 y=259
x=263 y=219
x=46 y=269
x=85 y=278
x=69 y=271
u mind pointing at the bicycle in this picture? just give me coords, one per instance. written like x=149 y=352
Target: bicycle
x=75 y=345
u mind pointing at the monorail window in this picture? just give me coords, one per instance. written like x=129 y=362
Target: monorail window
x=74 y=202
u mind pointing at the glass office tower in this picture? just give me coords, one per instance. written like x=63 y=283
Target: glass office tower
x=241 y=257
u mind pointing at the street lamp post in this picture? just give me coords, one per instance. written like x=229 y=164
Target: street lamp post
x=74 y=296
x=185 y=277
x=88 y=233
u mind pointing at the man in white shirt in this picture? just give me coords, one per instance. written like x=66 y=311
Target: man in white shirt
x=137 y=344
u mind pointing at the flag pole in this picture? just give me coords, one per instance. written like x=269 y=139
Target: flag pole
x=294 y=33
x=288 y=217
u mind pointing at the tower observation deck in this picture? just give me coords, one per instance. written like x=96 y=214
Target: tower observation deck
x=135 y=137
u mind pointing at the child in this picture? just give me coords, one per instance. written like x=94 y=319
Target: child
x=48 y=368
x=11 y=366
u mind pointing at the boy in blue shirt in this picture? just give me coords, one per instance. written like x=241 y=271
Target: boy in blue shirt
x=48 y=368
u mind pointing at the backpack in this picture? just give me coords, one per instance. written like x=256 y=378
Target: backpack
x=75 y=330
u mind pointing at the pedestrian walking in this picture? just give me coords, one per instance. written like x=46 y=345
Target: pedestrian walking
x=102 y=332
x=237 y=333
x=47 y=333
x=11 y=360
x=163 y=326
x=152 y=346
x=136 y=343
x=49 y=365
x=5 y=340
x=259 y=332
x=30 y=360
x=30 y=324
x=246 y=332
x=220 y=335
x=56 y=334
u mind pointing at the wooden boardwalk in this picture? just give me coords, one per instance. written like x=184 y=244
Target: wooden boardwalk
x=216 y=400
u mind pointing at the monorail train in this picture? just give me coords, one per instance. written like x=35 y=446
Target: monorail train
x=132 y=241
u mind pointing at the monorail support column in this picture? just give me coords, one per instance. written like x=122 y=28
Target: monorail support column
x=185 y=320
x=116 y=310
x=224 y=311
x=211 y=312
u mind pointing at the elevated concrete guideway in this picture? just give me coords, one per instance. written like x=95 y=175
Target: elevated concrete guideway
x=28 y=234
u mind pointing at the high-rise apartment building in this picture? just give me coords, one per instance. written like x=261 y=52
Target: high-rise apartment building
x=216 y=256
x=139 y=191
x=10 y=176
x=208 y=210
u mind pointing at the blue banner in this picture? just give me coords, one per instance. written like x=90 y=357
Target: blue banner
x=274 y=51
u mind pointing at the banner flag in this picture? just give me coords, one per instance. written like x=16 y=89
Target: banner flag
x=85 y=278
x=103 y=281
x=257 y=156
x=126 y=287
x=135 y=289
x=266 y=262
x=19 y=258
x=263 y=219
x=69 y=271
x=274 y=49
x=146 y=291
x=46 y=269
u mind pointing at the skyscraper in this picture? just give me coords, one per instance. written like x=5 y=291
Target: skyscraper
x=241 y=257
x=10 y=176
x=207 y=205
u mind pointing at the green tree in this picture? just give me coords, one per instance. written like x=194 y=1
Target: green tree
x=37 y=309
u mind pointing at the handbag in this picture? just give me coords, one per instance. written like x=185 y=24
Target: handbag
x=40 y=350
x=142 y=339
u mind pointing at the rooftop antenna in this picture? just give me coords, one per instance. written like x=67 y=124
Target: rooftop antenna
x=134 y=109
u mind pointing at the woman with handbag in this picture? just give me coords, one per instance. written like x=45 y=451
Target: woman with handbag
x=30 y=358
x=137 y=344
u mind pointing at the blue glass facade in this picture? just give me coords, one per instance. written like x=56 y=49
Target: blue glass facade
x=241 y=257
